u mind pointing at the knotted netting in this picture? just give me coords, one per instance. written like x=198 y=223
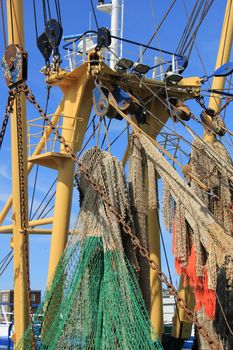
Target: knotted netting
x=94 y=300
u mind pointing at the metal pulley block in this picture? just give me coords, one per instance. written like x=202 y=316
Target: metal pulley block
x=103 y=38
x=178 y=110
x=44 y=46
x=14 y=65
x=125 y=103
x=48 y=42
x=100 y=100
x=54 y=33
x=213 y=121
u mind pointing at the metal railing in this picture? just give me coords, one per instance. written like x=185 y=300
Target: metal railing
x=78 y=46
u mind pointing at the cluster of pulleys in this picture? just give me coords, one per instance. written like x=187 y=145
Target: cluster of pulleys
x=102 y=107
x=48 y=42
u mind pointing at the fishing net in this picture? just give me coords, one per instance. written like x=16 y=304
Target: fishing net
x=142 y=171
x=94 y=301
x=217 y=176
x=201 y=244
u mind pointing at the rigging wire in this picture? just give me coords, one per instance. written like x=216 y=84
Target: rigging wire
x=117 y=137
x=43 y=200
x=106 y=134
x=9 y=261
x=58 y=10
x=159 y=26
x=198 y=14
x=47 y=212
x=34 y=190
x=37 y=167
x=47 y=204
x=3 y=24
x=35 y=18
x=94 y=14
x=49 y=11
x=2 y=262
x=6 y=261
x=109 y=123
x=44 y=12
x=90 y=137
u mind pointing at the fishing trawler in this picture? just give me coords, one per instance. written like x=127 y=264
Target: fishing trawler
x=142 y=142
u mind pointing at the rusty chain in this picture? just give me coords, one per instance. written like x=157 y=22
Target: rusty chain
x=8 y=111
x=23 y=211
x=127 y=229
x=200 y=101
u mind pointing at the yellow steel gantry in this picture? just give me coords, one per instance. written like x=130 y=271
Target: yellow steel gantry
x=77 y=104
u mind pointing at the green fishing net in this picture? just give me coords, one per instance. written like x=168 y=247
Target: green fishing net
x=94 y=301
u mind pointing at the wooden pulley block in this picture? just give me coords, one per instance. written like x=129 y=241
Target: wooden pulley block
x=14 y=65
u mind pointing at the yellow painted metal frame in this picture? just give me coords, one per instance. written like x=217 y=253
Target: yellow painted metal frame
x=77 y=103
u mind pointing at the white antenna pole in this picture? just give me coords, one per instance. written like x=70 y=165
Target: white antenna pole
x=122 y=25
x=115 y=31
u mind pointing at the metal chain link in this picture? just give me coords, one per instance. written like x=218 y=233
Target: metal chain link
x=200 y=101
x=8 y=111
x=23 y=216
x=127 y=229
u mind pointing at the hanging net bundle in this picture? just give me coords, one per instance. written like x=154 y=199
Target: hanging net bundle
x=201 y=224
x=94 y=300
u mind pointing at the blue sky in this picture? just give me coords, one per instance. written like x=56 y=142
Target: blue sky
x=139 y=23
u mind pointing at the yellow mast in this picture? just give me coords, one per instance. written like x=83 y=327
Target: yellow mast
x=21 y=307
x=224 y=51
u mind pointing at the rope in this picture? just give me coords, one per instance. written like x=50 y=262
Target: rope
x=159 y=26
x=109 y=123
x=200 y=11
x=6 y=266
x=58 y=10
x=44 y=12
x=49 y=201
x=37 y=167
x=3 y=261
x=106 y=134
x=35 y=19
x=47 y=212
x=121 y=133
x=94 y=14
x=48 y=5
x=34 y=190
x=90 y=137
x=46 y=195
